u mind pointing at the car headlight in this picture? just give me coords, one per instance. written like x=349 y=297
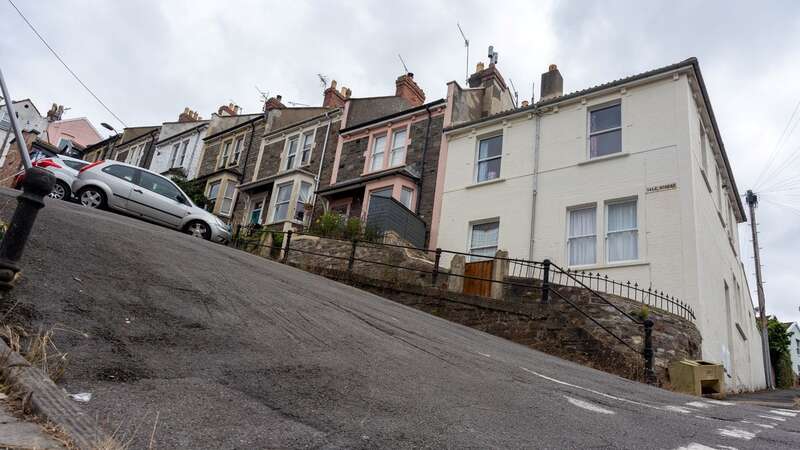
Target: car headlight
x=220 y=222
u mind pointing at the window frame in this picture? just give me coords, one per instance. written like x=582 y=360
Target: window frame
x=213 y=200
x=479 y=161
x=232 y=198
x=278 y=202
x=291 y=158
x=298 y=205
x=389 y=162
x=260 y=210
x=635 y=201
x=410 y=191
x=307 y=137
x=590 y=133
x=570 y=210
x=372 y=153
x=224 y=153
x=184 y=148
x=238 y=144
x=472 y=256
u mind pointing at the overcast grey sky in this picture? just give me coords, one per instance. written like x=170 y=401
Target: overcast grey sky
x=149 y=59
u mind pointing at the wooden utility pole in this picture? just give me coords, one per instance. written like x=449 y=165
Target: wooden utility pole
x=752 y=202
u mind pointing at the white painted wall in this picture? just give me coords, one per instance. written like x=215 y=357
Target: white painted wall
x=28 y=119
x=683 y=246
x=170 y=135
x=794 y=347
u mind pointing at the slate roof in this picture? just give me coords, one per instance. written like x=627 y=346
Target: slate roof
x=366 y=109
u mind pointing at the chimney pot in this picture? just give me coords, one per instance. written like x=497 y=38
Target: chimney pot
x=479 y=67
x=552 y=67
x=333 y=84
x=408 y=89
x=278 y=97
x=525 y=103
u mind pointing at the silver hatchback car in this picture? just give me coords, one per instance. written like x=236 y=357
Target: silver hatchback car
x=145 y=194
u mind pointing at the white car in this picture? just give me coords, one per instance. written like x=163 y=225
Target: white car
x=65 y=169
x=148 y=195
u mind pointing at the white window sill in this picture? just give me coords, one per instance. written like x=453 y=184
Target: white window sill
x=613 y=265
x=484 y=183
x=603 y=158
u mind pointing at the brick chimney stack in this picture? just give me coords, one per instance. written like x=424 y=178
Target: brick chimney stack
x=55 y=113
x=333 y=98
x=484 y=76
x=273 y=103
x=409 y=89
x=231 y=109
x=188 y=116
x=552 y=83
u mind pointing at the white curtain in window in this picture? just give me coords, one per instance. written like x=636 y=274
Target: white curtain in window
x=582 y=236
x=282 y=201
x=378 y=149
x=484 y=239
x=622 y=232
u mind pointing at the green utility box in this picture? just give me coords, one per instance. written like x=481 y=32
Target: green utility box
x=697 y=377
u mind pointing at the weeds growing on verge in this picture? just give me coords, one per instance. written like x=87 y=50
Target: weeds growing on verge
x=38 y=349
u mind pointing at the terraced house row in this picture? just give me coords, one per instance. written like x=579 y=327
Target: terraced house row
x=629 y=179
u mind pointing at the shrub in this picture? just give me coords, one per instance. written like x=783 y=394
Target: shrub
x=327 y=225
x=193 y=188
x=352 y=228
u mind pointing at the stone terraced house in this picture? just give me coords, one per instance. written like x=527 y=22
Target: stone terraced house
x=136 y=146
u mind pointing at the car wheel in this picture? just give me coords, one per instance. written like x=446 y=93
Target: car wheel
x=199 y=229
x=92 y=197
x=60 y=191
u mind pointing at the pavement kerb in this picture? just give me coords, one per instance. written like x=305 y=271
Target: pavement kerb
x=784 y=405
x=51 y=402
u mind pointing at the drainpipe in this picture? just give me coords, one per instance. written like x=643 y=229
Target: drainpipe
x=422 y=166
x=536 y=151
x=321 y=162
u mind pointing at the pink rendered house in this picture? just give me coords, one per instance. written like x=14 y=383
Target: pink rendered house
x=75 y=133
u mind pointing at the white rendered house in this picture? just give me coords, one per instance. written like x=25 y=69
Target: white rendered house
x=629 y=179
x=794 y=347
x=180 y=145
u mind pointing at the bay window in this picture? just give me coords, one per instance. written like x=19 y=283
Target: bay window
x=378 y=150
x=622 y=238
x=282 y=200
x=489 y=156
x=483 y=240
x=605 y=131
x=582 y=236
x=398 y=153
x=227 y=199
x=213 y=192
x=405 y=196
x=303 y=197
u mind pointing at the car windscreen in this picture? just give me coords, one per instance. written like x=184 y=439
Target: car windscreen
x=77 y=165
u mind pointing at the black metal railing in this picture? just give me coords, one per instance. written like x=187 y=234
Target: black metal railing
x=551 y=279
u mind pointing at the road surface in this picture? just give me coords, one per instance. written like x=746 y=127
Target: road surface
x=216 y=348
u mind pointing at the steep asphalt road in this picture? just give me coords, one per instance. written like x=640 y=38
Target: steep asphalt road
x=234 y=351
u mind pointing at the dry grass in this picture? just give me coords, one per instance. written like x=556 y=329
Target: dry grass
x=38 y=349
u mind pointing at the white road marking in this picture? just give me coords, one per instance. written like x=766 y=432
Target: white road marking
x=679 y=409
x=737 y=433
x=719 y=402
x=602 y=394
x=786 y=410
x=779 y=419
x=588 y=406
x=781 y=412
x=697 y=405
x=762 y=425
x=485 y=355
x=727 y=447
x=695 y=446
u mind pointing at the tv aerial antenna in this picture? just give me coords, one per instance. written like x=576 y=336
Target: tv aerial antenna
x=515 y=93
x=297 y=104
x=403 y=63
x=466 y=45
x=323 y=79
x=264 y=94
x=492 y=55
